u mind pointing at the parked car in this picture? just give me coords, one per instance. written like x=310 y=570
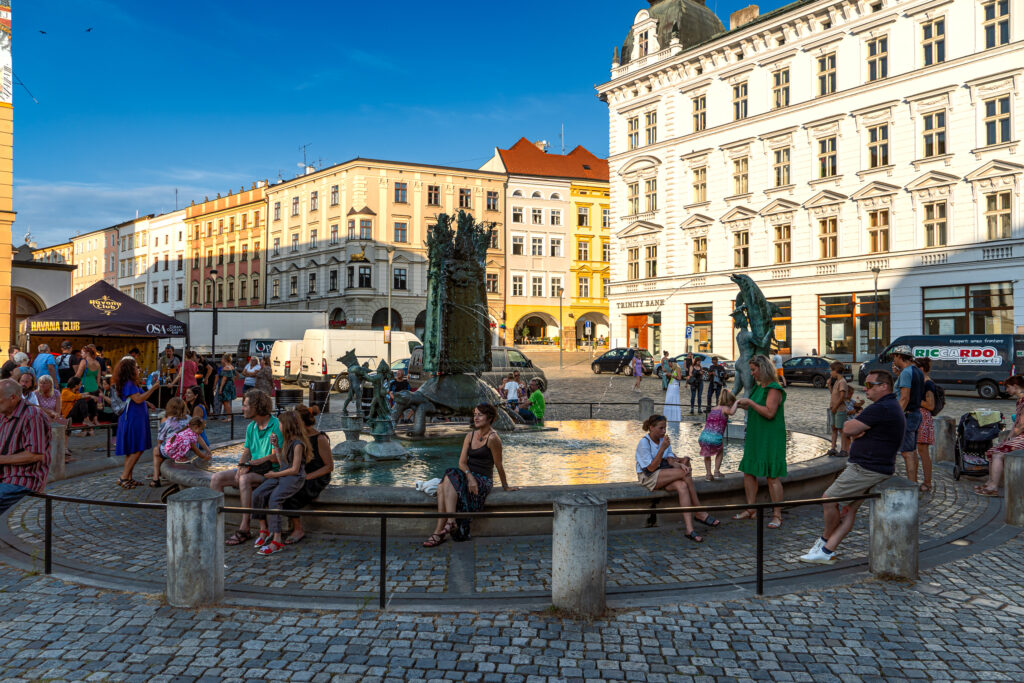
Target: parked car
x=504 y=360
x=812 y=369
x=620 y=361
x=705 y=362
x=322 y=350
x=402 y=364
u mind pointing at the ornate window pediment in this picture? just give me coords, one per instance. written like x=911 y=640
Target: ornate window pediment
x=639 y=229
x=932 y=180
x=875 y=190
x=779 y=206
x=738 y=214
x=825 y=198
x=697 y=221
x=641 y=167
x=994 y=169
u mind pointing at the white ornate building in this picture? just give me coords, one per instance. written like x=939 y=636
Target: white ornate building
x=827 y=149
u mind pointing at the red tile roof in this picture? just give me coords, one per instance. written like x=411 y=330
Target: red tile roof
x=525 y=158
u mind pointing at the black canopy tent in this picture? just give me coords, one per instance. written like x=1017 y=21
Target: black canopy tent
x=103 y=315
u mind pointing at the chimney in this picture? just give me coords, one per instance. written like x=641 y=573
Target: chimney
x=742 y=16
x=310 y=169
x=542 y=145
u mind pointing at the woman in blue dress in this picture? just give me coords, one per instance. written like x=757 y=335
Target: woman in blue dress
x=133 y=435
x=226 y=392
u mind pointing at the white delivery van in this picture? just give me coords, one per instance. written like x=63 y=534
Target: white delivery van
x=286 y=359
x=321 y=349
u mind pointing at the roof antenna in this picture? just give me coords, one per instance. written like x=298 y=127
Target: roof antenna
x=563 y=139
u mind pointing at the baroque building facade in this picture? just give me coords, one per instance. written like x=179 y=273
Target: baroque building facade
x=859 y=160
x=96 y=255
x=349 y=237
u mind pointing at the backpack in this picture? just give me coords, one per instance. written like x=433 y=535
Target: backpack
x=940 y=399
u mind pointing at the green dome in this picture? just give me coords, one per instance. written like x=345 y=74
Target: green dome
x=691 y=19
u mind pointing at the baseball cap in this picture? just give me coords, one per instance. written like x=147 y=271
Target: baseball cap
x=903 y=350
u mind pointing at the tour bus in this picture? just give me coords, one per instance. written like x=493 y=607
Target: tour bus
x=964 y=362
x=323 y=348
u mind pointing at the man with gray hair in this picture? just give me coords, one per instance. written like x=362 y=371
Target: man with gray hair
x=24 y=446
x=46 y=364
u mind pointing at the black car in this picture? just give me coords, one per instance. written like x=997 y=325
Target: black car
x=620 y=361
x=705 y=362
x=812 y=369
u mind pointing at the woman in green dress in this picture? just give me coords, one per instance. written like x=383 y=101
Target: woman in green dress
x=226 y=392
x=764 y=446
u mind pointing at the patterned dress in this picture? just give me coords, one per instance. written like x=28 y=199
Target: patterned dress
x=1014 y=443
x=712 y=437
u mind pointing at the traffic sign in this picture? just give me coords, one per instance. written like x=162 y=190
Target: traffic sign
x=689 y=331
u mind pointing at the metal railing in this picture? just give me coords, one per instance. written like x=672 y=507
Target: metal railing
x=383 y=517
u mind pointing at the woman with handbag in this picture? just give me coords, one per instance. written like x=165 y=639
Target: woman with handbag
x=133 y=435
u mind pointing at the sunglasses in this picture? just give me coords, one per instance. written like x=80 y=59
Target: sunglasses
x=868 y=385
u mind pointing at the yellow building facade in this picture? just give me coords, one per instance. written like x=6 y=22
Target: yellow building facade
x=6 y=179
x=591 y=267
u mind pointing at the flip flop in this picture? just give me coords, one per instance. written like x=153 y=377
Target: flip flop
x=744 y=515
x=238 y=538
x=291 y=540
x=990 y=494
x=695 y=537
x=708 y=521
x=776 y=523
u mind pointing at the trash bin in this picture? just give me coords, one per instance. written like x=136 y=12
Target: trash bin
x=320 y=395
x=288 y=398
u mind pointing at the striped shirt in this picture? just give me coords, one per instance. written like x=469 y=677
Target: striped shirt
x=26 y=429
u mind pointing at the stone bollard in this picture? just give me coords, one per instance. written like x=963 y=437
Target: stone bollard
x=1013 y=487
x=195 y=548
x=579 y=554
x=58 y=448
x=893 y=542
x=945 y=439
x=646 y=408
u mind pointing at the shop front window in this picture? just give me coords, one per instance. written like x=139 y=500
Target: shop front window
x=969 y=309
x=698 y=316
x=783 y=325
x=851 y=326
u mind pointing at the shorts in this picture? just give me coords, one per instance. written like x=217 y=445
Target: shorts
x=648 y=480
x=910 y=436
x=261 y=466
x=853 y=481
x=778 y=372
x=837 y=420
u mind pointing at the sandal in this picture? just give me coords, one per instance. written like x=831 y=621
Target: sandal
x=986 y=492
x=238 y=538
x=292 y=540
x=262 y=538
x=746 y=514
x=270 y=548
x=925 y=488
x=435 y=540
x=708 y=521
x=708 y=477
x=694 y=536
x=155 y=483
x=127 y=483
x=776 y=523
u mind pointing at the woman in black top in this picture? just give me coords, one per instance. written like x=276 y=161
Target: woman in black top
x=318 y=471
x=464 y=489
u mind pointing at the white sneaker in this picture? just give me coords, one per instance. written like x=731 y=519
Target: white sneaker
x=818 y=556
x=816 y=547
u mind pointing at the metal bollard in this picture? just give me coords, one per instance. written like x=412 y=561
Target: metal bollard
x=579 y=554
x=945 y=439
x=893 y=535
x=646 y=408
x=58 y=448
x=195 y=548
x=1013 y=487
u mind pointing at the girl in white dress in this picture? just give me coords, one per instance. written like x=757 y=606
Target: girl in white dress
x=673 y=413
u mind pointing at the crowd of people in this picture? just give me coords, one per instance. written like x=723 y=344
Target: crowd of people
x=705 y=383
x=525 y=399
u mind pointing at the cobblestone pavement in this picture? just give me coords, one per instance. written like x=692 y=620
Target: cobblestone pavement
x=962 y=621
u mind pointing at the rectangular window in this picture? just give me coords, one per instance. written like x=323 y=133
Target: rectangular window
x=314 y=200
x=827 y=166
x=401 y=193
x=827 y=74
x=156 y=294
x=556 y=246
x=700 y=254
x=245 y=253
x=633 y=263
x=997 y=215
x=606 y=252
x=969 y=309
x=934 y=134
x=878 y=146
x=633 y=195
x=351 y=230
x=606 y=287
x=741 y=249
x=642 y=43
x=312 y=239
x=312 y=284
x=434 y=195
x=740 y=176
x=492 y=283
x=277 y=211
x=276 y=288
x=606 y=218
x=583 y=250
x=651 y=127
x=651 y=260
x=333 y=281
x=878 y=58
x=933 y=41
x=277 y=246
x=401 y=232
x=295 y=206
x=537 y=216
x=633 y=126
x=517 y=285
x=365 y=229
x=494 y=239
x=782 y=243
x=935 y=224
x=583 y=286
x=997 y=23
x=465 y=198
x=517 y=245
x=245 y=221
x=556 y=287
x=492 y=200
x=997 y=120
x=365 y=277
x=536 y=246
x=739 y=101
x=583 y=216
x=556 y=216
x=243 y=289
x=700 y=113
x=334 y=234
x=181 y=292
x=293 y=286
x=828 y=237
x=537 y=285
x=399 y=278
x=700 y=185
x=517 y=214
x=350 y=277
x=334 y=196
x=181 y=262
x=295 y=241
x=780 y=88
x=651 y=194
x=878 y=231
x=780 y=167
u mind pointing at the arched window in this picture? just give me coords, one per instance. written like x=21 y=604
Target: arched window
x=536 y=195
x=555 y=195
x=517 y=193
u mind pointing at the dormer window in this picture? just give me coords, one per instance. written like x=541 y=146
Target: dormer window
x=642 y=43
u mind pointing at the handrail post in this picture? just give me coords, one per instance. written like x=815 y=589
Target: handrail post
x=232 y=426
x=195 y=548
x=58 y=448
x=1013 y=487
x=893 y=531
x=48 y=536
x=591 y=410
x=579 y=554
x=108 y=430
x=760 y=551
x=383 y=562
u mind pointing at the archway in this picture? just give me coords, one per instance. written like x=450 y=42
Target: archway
x=590 y=327
x=26 y=305
x=380 y=319
x=535 y=328
x=338 y=318
x=419 y=328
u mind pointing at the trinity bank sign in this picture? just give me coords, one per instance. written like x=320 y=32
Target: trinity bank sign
x=648 y=303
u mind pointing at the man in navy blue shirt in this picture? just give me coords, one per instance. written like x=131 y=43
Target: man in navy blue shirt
x=909 y=390
x=877 y=434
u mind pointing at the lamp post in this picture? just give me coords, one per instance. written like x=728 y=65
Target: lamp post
x=391 y=250
x=876 y=270
x=213 y=300
x=561 y=335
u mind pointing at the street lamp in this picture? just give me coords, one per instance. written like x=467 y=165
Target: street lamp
x=391 y=250
x=561 y=332
x=213 y=300
x=876 y=270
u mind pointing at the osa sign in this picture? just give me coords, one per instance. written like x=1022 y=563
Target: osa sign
x=962 y=355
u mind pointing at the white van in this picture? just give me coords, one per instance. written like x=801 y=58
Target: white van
x=286 y=359
x=322 y=348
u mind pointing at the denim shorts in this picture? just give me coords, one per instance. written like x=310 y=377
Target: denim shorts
x=910 y=436
x=11 y=494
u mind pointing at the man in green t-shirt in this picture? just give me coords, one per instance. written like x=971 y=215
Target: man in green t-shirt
x=535 y=413
x=255 y=459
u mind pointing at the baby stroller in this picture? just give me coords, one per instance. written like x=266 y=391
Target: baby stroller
x=972 y=440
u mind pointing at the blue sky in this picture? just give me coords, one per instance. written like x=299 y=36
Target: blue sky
x=206 y=96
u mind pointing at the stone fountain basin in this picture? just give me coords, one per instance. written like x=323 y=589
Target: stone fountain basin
x=806 y=479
